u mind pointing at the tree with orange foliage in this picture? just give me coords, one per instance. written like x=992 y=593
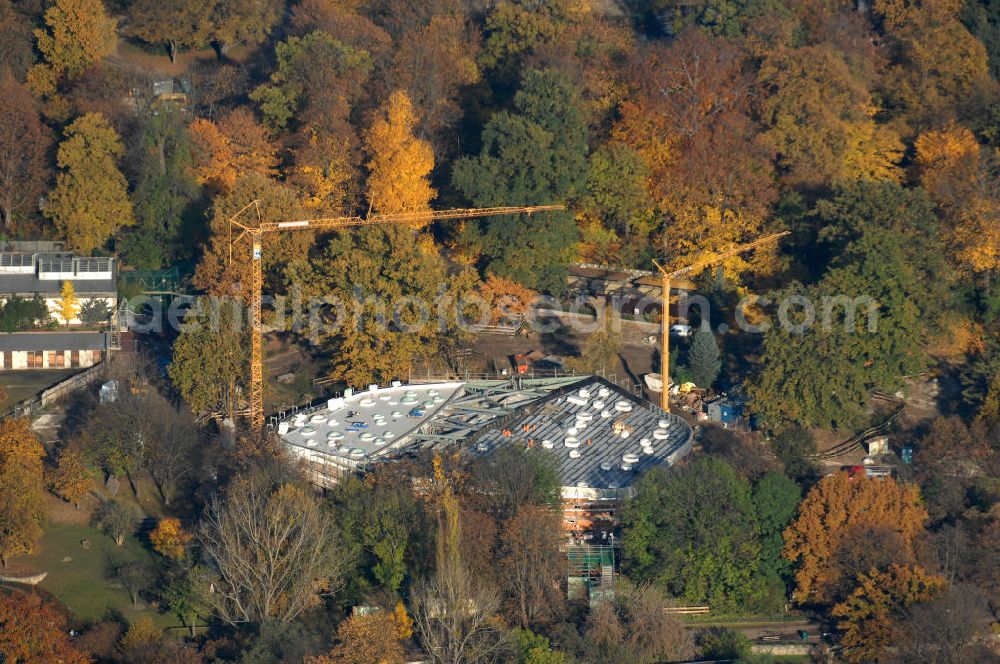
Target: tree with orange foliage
x=22 y=488
x=365 y=639
x=835 y=508
x=399 y=163
x=868 y=617
x=34 y=631
x=170 y=539
x=508 y=300
x=531 y=566
x=690 y=102
x=432 y=65
x=235 y=146
x=70 y=479
x=24 y=144
x=278 y=201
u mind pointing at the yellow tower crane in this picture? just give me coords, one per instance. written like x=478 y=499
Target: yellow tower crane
x=693 y=269
x=255 y=235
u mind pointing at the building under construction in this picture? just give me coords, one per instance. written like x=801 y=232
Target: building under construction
x=601 y=438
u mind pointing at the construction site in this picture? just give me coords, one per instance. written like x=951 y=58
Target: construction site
x=601 y=438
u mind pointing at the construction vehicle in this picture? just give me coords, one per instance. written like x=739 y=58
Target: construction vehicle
x=254 y=234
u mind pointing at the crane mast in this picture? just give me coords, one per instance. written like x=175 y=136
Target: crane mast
x=255 y=234
x=665 y=279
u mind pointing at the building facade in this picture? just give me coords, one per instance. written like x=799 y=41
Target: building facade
x=27 y=275
x=52 y=350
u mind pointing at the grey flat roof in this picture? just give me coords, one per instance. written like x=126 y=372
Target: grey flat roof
x=367 y=423
x=581 y=427
x=29 y=284
x=37 y=341
x=482 y=415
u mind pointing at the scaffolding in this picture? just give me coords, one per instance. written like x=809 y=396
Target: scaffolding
x=167 y=282
x=591 y=572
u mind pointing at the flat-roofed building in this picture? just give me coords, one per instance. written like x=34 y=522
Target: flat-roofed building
x=52 y=350
x=26 y=275
x=601 y=438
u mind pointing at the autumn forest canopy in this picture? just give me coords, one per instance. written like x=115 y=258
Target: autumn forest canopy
x=671 y=130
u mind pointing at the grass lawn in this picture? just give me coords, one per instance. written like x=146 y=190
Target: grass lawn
x=26 y=383
x=83 y=583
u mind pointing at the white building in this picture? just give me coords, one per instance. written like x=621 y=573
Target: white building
x=52 y=350
x=26 y=275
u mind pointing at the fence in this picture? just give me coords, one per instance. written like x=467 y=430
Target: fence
x=59 y=391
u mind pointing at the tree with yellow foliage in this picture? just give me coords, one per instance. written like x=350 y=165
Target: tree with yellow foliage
x=947 y=162
x=77 y=34
x=141 y=632
x=951 y=168
x=69 y=305
x=90 y=202
x=22 y=492
x=401 y=621
x=976 y=236
x=169 y=538
x=399 y=163
x=937 y=64
x=325 y=170
x=834 y=508
x=819 y=119
x=868 y=617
